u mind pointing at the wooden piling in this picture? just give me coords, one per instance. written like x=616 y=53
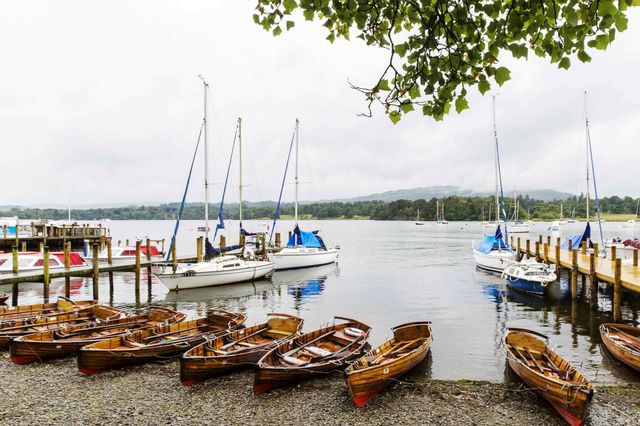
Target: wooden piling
x=24 y=246
x=126 y=242
x=223 y=244
x=110 y=261
x=96 y=272
x=584 y=248
x=137 y=270
x=614 y=253
x=635 y=257
x=574 y=274
x=278 y=240
x=14 y=256
x=67 y=266
x=617 y=290
x=545 y=252
x=45 y=274
x=163 y=247
x=519 y=252
x=198 y=250
x=41 y=247
x=264 y=245
x=242 y=239
x=595 y=249
x=558 y=263
x=119 y=243
x=174 y=257
x=528 y=247
x=149 y=266
x=538 y=251
x=593 y=285
x=548 y=240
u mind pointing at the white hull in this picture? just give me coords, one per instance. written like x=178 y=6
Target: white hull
x=122 y=260
x=495 y=260
x=185 y=279
x=297 y=257
x=518 y=229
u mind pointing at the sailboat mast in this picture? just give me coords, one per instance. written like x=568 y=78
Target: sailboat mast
x=296 y=176
x=586 y=127
x=240 y=169
x=206 y=163
x=495 y=136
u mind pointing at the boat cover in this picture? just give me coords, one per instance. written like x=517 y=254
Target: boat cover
x=576 y=240
x=492 y=242
x=304 y=239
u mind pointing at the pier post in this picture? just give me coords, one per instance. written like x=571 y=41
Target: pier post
x=242 y=239
x=45 y=273
x=163 y=253
x=595 y=249
x=14 y=253
x=24 y=246
x=614 y=253
x=149 y=266
x=137 y=271
x=96 y=272
x=223 y=244
x=198 y=250
x=67 y=266
x=126 y=243
x=174 y=257
x=4 y=231
x=14 y=294
x=593 y=285
x=538 y=251
x=511 y=240
x=528 y=247
x=289 y=235
x=545 y=252
x=119 y=241
x=548 y=240
x=574 y=274
x=584 y=248
x=278 y=240
x=41 y=247
x=110 y=262
x=616 y=290
x=264 y=245
x=558 y=263
x=635 y=257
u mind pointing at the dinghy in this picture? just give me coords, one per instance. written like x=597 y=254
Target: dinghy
x=64 y=342
x=238 y=349
x=41 y=310
x=623 y=341
x=377 y=369
x=93 y=314
x=551 y=376
x=156 y=343
x=313 y=354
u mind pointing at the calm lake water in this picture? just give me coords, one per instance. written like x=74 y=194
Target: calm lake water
x=389 y=273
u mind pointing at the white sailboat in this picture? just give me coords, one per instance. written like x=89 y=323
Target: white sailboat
x=517 y=226
x=493 y=252
x=304 y=249
x=440 y=220
x=562 y=220
x=223 y=269
x=418 y=222
x=633 y=223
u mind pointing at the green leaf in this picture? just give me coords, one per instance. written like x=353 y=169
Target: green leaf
x=602 y=40
x=414 y=92
x=461 y=104
x=308 y=15
x=383 y=85
x=394 y=116
x=290 y=24
x=277 y=31
x=621 y=22
x=289 y=5
x=582 y=55
x=564 y=63
x=502 y=75
x=331 y=37
x=256 y=19
x=401 y=49
x=484 y=86
x=406 y=107
x=606 y=7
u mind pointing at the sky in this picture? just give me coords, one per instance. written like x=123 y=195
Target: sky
x=100 y=102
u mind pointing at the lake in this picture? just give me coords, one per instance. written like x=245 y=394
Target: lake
x=389 y=273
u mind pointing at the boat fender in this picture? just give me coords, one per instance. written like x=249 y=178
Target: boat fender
x=354 y=332
x=292 y=361
x=318 y=351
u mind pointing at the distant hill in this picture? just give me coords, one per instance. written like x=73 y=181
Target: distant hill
x=447 y=191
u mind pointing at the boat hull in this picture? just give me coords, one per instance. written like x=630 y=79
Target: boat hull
x=494 y=261
x=618 y=350
x=295 y=260
x=184 y=281
x=194 y=370
x=531 y=287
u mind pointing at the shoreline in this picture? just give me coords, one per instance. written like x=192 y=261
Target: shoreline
x=55 y=392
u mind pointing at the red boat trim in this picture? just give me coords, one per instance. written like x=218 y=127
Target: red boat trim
x=189 y=382
x=258 y=389
x=21 y=360
x=91 y=371
x=361 y=400
x=570 y=418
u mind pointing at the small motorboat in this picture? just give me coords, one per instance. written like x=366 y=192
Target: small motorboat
x=623 y=341
x=312 y=354
x=126 y=255
x=93 y=314
x=518 y=227
x=238 y=349
x=162 y=342
x=34 y=261
x=529 y=276
x=218 y=271
x=377 y=369
x=51 y=344
x=550 y=375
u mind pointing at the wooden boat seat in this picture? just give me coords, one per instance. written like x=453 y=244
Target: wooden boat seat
x=132 y=344
x=342 y=337
x=277 y=332
x=245 y=344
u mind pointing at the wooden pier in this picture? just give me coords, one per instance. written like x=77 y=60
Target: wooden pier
x=586 y=263
x=34 y=236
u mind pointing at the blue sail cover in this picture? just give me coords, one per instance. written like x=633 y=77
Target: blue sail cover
x=304 y=239
x=492 y=242
x=576 y=240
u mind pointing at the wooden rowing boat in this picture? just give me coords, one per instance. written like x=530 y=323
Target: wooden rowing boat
x=91 y=314
x=64 y=342
x=156 y=343
x=550 y=375
x=623 y=341
x=313 y=354
x=13 y=313
x=240 y=348
x=377 y=369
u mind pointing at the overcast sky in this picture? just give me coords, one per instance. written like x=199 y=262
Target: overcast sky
x=100 y=102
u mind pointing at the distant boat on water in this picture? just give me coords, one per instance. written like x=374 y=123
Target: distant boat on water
x=418 y=222
x=440 y=220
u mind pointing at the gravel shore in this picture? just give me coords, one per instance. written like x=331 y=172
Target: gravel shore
x=55 y=393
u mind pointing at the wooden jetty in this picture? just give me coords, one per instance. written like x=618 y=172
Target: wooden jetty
x=586 y=263
x=35 y=235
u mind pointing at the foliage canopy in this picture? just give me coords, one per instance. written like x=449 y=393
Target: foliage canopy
x=439 y=49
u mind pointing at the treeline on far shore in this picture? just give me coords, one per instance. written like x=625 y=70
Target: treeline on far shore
x=455 y=209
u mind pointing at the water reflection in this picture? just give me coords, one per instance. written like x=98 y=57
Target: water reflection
x=305 y=283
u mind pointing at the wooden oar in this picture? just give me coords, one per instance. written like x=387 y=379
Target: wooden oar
x=40 y=324
x=292 y=351
x=564 y=374
x=633 y=338
x=398 y=347
x=99 y=328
